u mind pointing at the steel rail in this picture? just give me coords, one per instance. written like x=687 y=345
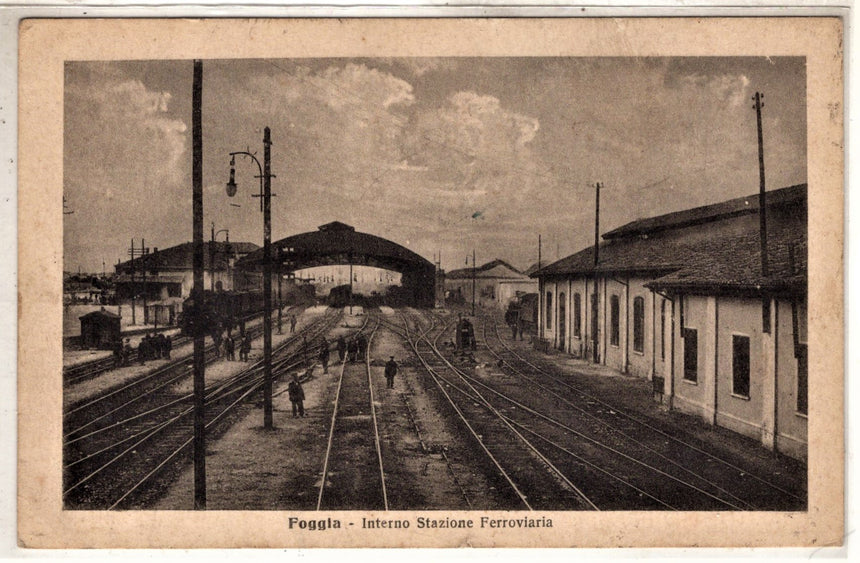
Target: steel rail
x=481 y=444
x=560 y=474
x=659 y=431
x=333 y=423
x=252 y=382
x=373 y=415
x=613 y=429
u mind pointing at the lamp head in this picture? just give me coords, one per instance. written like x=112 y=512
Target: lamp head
x=231 y=185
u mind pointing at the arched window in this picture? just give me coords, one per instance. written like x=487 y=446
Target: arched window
x=639 y=324
x=549 y=309
x=614 y=315
x=577 y=315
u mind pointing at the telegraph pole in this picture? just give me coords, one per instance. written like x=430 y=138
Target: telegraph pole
x=762 y=208
x=540 y=292
x=474 y=274
x=596 y=222
x=267 y=279
x=197 y=291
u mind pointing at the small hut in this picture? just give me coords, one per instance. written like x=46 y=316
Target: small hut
x=100 y=329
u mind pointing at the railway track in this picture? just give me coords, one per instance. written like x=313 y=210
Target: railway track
x=110 y=462
x=680 y=472
x=533 y=480
x=346 y=483
x=81 y=372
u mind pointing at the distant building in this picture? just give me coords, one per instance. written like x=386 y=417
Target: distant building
x=496 y=283
x=167 y=273
x=681 y=299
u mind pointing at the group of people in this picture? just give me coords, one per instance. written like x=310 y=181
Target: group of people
x=230 y=345
x=353 y=351
x=151 y=347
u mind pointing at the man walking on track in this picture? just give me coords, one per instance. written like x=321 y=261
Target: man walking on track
x=324 y=355
x=297 y=396
x=341 y=348
x=390 y=372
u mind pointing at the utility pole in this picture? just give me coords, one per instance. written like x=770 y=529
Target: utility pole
x=267 y=279
x=762 y=207
x=197 y=291
x=540 y=292
x=143 y=252
x=265 y=177
x=474 y=274
x=133 y=289
x=596 y=222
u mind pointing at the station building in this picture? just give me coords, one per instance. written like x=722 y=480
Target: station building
x=495 y=284
x=682 y=299
x=169 y=273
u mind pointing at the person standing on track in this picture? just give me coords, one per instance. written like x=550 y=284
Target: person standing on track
x=297 y=396
x=244 y=348
x=324 y=352
x=292 y=324
x=230 y=348
x=390 y=372
x=341 y=348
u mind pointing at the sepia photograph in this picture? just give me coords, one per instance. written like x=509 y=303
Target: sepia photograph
x=479 y=294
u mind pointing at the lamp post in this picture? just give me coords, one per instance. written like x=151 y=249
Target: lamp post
x=212 y=253
x=265 y=196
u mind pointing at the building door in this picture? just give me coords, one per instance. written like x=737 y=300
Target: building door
x=594 y=351
x=561 y=322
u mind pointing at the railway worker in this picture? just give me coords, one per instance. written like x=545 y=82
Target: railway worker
x=126 y=352
x=162 y=345
x=341 y=348
x=297 y=396
x=324 y=352
x=292 y=324
x=352 y=353
x=244 y=348
x=117 y=353
x=230 y=348
x=168 y=346
x=143 y=350
x=362 y=347
x=390 y=372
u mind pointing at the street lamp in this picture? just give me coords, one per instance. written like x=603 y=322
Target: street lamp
x=265 y=196
x=212 y=250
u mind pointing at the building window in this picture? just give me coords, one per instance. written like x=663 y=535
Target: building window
x=741 y=365
x=691 y=354
x=577 y=313
x=614 y=316
x=802 y=381
x=549 y=309
x=639 y=324
x=663 y=329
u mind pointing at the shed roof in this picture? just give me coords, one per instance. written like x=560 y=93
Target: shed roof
x=181 y=256
x=104 y=313
x=724 y=261
x=493 y=269
x=334 y=240
x=707 y=213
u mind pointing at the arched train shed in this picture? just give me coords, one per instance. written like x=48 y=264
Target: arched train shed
x=340 y=244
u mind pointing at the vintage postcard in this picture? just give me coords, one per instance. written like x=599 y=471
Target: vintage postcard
x=431 y=283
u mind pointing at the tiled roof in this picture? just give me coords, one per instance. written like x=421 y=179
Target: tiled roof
x=181 y=257
x=726 y=259
x=484 y=271
x=714 y=212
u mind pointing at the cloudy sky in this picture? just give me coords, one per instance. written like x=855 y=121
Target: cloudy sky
x=439 y=155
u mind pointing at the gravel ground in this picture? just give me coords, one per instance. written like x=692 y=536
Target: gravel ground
x=431 y=463
x=249 y=468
